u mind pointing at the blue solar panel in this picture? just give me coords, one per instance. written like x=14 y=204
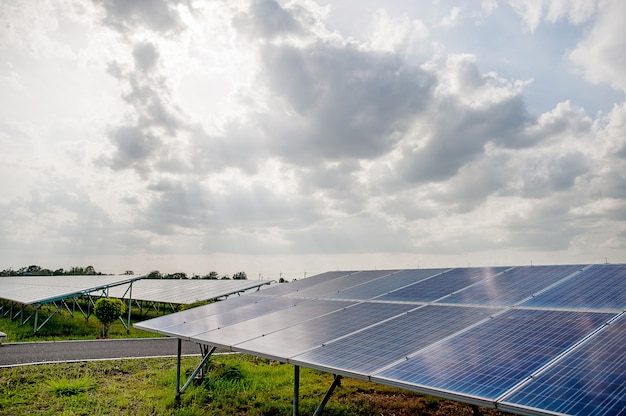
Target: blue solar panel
x=219 y=314
x=292 y=287
x=512 y=286
x=385 y=284
x=332 y=287
x=380 y=345
x=313 y=333
x=266 y=324
x=493 y=357
x=591 y=380
x=600 y=286
x=441 y=285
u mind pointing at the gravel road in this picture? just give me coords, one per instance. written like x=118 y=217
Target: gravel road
x=23 y=353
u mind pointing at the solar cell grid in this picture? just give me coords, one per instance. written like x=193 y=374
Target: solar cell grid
x=376 y=347
x=494 y=356
x=315 y=332
x=590 y=380
x=208 y=317
x=295 y=286
x=600 y=286
x=341 y=283
x=512 y=286
x=385 y=284
x=269 y=323
x=441 y=285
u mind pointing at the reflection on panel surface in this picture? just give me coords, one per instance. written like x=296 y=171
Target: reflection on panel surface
x=496 y=355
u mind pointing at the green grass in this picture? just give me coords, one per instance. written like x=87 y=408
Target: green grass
x=235 y=385
x=71 y=387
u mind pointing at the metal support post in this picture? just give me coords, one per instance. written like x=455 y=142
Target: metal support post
x=320 y=408
x=296 y=388
x=196 y=371
x=178 y=367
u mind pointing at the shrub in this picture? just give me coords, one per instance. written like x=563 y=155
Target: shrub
x=107 y=310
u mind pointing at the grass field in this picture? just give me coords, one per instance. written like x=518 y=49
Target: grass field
x=235 y=385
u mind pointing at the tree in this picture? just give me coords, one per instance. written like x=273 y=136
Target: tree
x=154 y=274
x=240 y=276
x=107 y=310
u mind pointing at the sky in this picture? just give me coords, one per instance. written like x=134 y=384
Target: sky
x=290 y=138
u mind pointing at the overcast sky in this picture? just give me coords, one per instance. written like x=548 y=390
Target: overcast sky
x=307 y=136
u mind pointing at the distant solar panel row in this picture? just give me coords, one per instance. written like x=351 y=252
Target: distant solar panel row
x=536 y=339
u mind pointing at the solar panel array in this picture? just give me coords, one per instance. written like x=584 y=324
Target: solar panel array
x=184 y=291
x=529 y=340
x=32 y=290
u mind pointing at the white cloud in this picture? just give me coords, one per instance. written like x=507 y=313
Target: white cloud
x=601 y=54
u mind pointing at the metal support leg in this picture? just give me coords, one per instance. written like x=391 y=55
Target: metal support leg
x=180 y=341
x=196 y=371
x=296 y=388
x=320 y=408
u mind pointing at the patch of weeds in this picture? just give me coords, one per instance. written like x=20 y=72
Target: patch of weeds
x=67 y=387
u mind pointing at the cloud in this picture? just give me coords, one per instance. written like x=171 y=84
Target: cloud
x=267 y=19
x=126 y=16
x=336 y=101
x=535 y=11
x=601 y=54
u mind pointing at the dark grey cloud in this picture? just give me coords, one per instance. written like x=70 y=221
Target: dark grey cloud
x=336 y=101
x=266 y=19
x=127 y=16
x=457 y=134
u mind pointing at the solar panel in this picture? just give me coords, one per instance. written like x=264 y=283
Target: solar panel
x=493 y=357
x=208 y=317
x=371 y=349
x=602 y=286
x=512 y=286
x=590 y=380
x=441 y=285
x=266 y=324
x=315 y=332
x=184 y=291
x=385 y=284
x=31 y=290
x=351 y=280
x=295 y=286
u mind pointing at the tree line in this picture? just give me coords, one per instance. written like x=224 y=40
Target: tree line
x=34 y=270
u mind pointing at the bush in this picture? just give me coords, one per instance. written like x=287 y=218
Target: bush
x=107 y=310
